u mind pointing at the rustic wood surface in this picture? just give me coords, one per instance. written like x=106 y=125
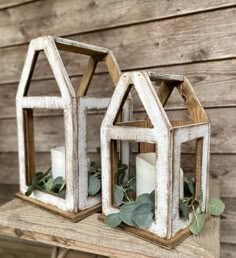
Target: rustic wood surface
x=92 y=15
x=174 y=33
x=16 y=220
x=49 y=131
x=207 y=79
x=162 y=42
x=13 y=3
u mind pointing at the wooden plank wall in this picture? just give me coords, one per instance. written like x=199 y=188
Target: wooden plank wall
x=194 y=38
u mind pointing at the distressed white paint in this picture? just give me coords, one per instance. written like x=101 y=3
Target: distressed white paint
x=76 y=173
x=67 y=101
x=42 y=102
x=86 y=104
x=125 y=146
x=168 y=141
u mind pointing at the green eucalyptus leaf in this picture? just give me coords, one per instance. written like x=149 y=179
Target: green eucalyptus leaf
x=184 y=210
x=49 y=184
x=29 y=190
x=62 y=194
x=39 y=175
x=197 y=224
x=94 y=186
x=126 y=213
x=122 y=167
x=113 y=220
x=35 y=181
x=121 y=176
x=216 y=207
x=143 y=216
x=118 y=195
x=191 y=185
x=58 y=181
x=62 y=186
x=132 y=184
x=146 y=197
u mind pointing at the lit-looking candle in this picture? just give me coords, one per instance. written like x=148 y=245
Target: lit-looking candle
x=145 y=172
x=58 y=161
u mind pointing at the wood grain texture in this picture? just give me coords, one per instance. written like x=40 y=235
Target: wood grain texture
x=207 y=80
x=201 y=36
x=102 y=239
x=163 y=40
x=228 y=227
x=227 y=251
x=49 y=131
x=7 y=192
x=13 y=3
x=61 y=18
x=17 y=248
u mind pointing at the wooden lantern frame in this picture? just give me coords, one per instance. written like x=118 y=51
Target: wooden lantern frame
x=77 y=204
x=168 y=228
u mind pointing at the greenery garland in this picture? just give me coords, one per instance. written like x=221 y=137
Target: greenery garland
x=140 y=213
x=137 y=212
x=44 y=181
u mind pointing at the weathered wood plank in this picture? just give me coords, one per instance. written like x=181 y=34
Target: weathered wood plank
x=228 y=229
x=165 y=38
x=210 y=80
x=93 y=15
x=7 y=192
x=228 y=226
x=222 y=167
x=227 y=251
x=16 y=217
x=13 y=3
x=49 y=131
x=17 y=248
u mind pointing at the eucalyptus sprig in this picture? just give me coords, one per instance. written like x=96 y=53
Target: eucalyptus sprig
x=95 y=174
x=44 y=181
x=140 y=213
x=190 y=203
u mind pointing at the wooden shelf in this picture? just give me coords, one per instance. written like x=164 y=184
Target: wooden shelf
x=23 y=220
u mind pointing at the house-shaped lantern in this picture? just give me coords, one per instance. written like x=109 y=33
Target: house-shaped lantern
x=76 y=203
x=163 y=137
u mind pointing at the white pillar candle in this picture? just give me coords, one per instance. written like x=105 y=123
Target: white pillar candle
x=58 y=161
x=145 y=172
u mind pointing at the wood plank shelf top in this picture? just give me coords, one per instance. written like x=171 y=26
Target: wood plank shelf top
x=23 y=220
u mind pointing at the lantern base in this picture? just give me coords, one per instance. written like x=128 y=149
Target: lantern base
x=151 y=237
x=71 y=216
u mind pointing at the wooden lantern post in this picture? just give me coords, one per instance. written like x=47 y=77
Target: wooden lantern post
x=76 y=204
x=164 y=137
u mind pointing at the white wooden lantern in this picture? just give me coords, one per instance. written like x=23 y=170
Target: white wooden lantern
x=76 y=204
x=168 y=228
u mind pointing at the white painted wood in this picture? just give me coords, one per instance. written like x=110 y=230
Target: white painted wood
x=168 y=141
x=67 y=101
x=86 y=104
x=74 y=119
x=127 y=115
x=43 y=102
